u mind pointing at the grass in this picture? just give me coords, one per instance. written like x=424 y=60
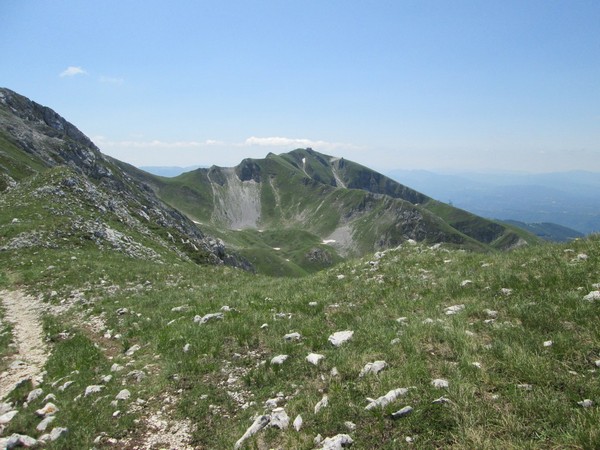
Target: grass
x=519 y=394
x=487 y=408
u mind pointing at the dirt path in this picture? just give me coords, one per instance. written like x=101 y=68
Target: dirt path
x=32 y=353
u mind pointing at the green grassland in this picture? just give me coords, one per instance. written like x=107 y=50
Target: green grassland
x=520 y=394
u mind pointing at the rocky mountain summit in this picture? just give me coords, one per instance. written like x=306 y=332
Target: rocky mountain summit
x=34 y=138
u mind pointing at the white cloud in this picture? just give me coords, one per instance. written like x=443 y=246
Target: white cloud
x=72 y=71
x=111 y=80
x=276 y=141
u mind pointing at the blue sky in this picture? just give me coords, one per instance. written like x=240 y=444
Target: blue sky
x=437 y=85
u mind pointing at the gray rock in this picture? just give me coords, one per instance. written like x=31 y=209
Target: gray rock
x=66 y=385
x=137 y=375
x=455 y=309
x=402 y=412
x=386 y=399
x=259 y=423
x=337 y=442
x=93 y=389
x=279 y=419
x=44 y=423
x=279 y=359
x=179 y=309
x=57 y=433
x=20 y=440
x=5 y=407
x=48 y=410
x=132 y=350
x=8 y=416
x=321 y=404
x=440 y=383
x=123 y=395
x=373 y=367
x=340 y=337
x=116 y=367
x=208 y=317
x=314 y=358
x=292 y=337
x=297 y=423
x=34 y=394
x=587 y=403
x=592 y=296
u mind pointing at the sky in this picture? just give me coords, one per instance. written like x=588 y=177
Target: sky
x=436 y=85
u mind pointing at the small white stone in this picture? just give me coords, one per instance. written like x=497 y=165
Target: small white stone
x=402 y=412
x=340 y=337
x=465 y=283
x=123 y=395
x=506 y=291
x=279 y=419
x=476 y=364
x=297 y=423
x=48 y=410
x=440 y=383
x=592 y=296
x=132 y=350
x=92 y=389
x=372 y=367
x=7 y=417
x=548 y=343
x=491 y=313
x=321 y=404
x=292 y=336
x=350 y=425
x=186 y=348
x=264 y=326
x=313 y=304
x=454 y=309
x=336 y=442
x=314 y=358
x=587 y=403
x=44 y=423
x=384 y=400
x=279 y=359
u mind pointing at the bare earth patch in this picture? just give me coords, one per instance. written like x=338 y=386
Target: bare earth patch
x=32 y=353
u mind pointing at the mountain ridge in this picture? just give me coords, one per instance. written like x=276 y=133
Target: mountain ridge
x=34 y=138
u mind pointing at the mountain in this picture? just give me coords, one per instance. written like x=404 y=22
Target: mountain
x=38 y=146
x=341 y=208
x=167 y=171
x=569 y=199
x=287 y=214
x=548 y=231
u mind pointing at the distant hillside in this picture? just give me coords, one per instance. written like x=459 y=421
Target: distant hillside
x=548 y=231
x=167 y=171
x=569 y=199
x=341 y=207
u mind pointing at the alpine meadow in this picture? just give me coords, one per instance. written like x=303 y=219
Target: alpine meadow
x=297 y=301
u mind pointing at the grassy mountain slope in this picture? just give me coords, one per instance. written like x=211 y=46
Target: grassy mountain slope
x=35 y=139
x=351 y=208
x=548 y=231
x=518 y=358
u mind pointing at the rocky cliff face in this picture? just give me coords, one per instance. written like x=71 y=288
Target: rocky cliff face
x=35 y=137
